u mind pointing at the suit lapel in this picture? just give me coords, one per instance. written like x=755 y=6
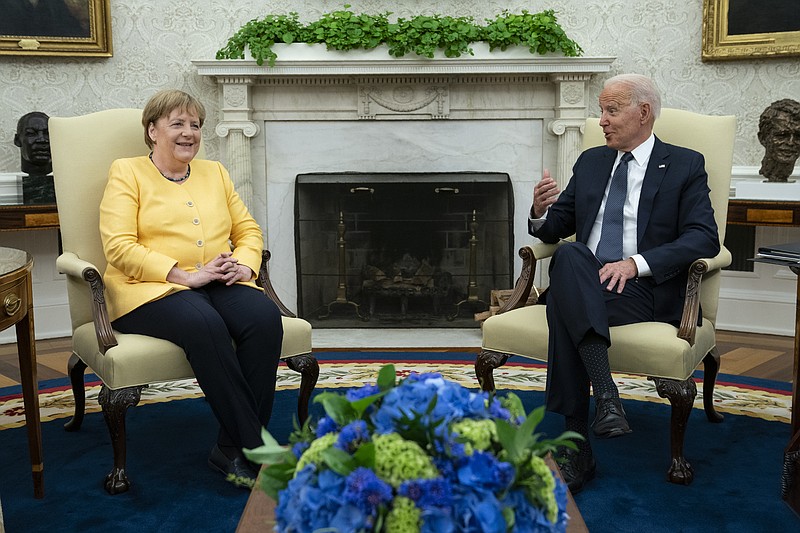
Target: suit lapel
x=596 y=188
x=653 y=177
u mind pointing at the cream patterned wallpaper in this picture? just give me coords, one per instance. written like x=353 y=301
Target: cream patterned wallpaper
x=155 y=41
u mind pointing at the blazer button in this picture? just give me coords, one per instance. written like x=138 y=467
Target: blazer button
x=200 y=243
x=196 y=221
x=190 y=203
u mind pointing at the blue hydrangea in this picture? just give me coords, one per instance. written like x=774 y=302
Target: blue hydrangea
x=496 y=410
x=326 y=425
x=313 y=501
x=299 y=448
x=483 y=471
x=366 y=490
x=530 y=519
x=361 y=392
x=352 y=436
x=415 y=394
x=427 y=493
x=477 y=511
x=463 y=486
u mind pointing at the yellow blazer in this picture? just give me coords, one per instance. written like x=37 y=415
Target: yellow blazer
x=149 y=224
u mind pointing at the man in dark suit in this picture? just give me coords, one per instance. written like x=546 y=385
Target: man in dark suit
x=641 y=214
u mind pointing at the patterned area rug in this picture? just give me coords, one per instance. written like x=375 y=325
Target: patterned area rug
x=740 y=396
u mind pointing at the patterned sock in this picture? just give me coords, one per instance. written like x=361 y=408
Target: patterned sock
x=594 y=354
x=580 y=425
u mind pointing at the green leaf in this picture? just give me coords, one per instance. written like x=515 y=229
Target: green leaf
x=339 y=461
x=365 y=455
x=361 y=405
x=387 y=377
x=337 y=407
x=269 y=452
x=422 y=34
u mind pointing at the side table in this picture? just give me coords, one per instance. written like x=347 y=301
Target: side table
x=790 y=478
x=16 y=308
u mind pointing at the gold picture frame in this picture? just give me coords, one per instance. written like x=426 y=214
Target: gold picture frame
x=747 y=29
x=56 y=28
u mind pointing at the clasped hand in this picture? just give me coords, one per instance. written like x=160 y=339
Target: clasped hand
x=224 y=268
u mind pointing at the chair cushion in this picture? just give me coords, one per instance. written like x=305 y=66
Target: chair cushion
x=649 y=348
x=141 y=360
x=296 y=337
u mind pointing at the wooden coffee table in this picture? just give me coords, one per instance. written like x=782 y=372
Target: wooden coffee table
x=259 y=512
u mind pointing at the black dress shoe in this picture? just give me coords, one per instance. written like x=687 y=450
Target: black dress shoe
x=609 y=419
x=238 y=470
x=576 y=470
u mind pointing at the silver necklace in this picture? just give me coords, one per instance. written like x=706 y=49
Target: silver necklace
x=173 y=180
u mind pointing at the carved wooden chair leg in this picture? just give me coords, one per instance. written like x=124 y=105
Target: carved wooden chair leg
x=710 y=370
x=115 y=403
x=485 y=364
x=75 y=369
x=308 y=367
x=681 y=395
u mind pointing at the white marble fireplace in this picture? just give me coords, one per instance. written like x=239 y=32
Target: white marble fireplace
x=350 y=112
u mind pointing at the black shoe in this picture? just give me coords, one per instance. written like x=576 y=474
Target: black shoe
x=576 y=470
x=609 y=419
x=238 y=470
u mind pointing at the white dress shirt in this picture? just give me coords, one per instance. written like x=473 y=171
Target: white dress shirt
x=636 y=170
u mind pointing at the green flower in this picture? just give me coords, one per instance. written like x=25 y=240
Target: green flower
x=540 y=486
x=404 y=516
x=478 y=433
x=398 y=460
x=314 y=452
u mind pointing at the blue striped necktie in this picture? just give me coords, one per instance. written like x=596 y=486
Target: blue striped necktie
x=609 y=248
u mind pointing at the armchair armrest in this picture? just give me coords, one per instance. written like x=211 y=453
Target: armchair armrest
x=75 y=267
x=691 y=303
x=522 y=289
x=264 y=282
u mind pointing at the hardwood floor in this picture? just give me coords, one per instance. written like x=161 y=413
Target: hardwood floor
x=748 y=354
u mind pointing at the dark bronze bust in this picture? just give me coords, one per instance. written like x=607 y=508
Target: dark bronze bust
x=33 y=139
x=779 y=132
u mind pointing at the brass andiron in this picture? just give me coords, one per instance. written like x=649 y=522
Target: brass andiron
x=472 y=287
x=341 y=288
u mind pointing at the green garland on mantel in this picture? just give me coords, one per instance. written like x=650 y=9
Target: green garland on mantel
x=422 y=35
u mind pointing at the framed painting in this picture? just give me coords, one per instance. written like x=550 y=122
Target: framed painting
x=55 y=27
x=745 y=29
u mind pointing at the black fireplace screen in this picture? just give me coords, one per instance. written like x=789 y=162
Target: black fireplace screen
x=401 y=250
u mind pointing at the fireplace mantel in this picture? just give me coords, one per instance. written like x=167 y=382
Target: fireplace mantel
x=359 y=85
x=501 y=111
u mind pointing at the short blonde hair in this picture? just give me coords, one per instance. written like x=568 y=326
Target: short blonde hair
x=165 y=102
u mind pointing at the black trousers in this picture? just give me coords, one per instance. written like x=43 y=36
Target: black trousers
x=577 y=304
x=232 y=338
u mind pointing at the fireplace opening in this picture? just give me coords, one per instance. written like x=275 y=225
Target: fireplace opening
x=401 y=249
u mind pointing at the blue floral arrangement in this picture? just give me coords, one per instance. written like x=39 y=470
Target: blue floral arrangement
x=420 y=454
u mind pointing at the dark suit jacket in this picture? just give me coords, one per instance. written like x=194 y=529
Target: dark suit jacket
x=675 y=219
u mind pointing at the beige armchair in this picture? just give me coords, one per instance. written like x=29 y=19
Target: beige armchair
x=665 y=354
x=82 y=150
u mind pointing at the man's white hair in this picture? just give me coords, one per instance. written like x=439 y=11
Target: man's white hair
x=642 y=89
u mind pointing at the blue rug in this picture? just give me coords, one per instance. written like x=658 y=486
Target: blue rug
x=737 y=463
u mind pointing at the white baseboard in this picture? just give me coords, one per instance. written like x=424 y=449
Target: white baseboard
x=765 y=312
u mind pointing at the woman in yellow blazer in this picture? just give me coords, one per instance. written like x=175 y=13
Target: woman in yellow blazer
x=168 y=224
